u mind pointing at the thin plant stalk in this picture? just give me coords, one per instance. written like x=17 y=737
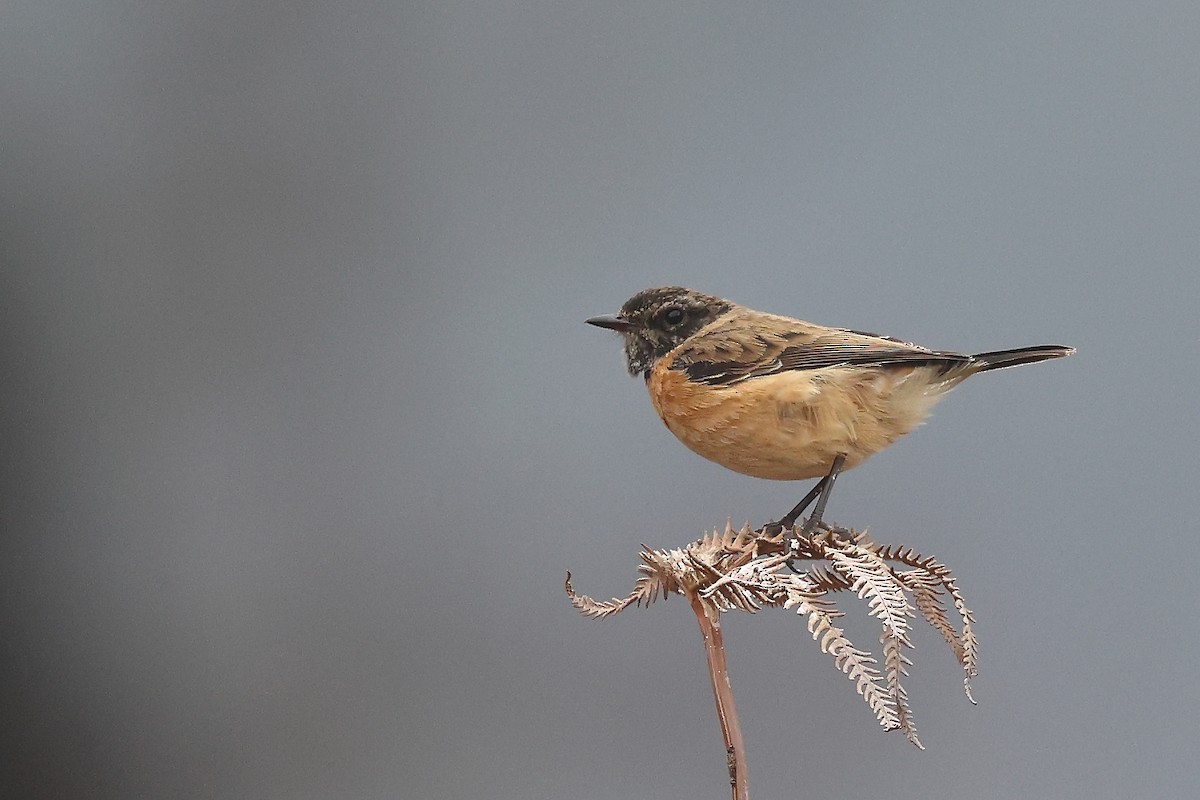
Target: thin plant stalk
x=709 y=619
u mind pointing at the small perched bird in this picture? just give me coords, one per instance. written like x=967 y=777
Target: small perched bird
x=780 y=398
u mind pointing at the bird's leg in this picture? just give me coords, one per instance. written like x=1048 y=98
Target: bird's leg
x=790 y=518
x=820 y=492
x=826 y=488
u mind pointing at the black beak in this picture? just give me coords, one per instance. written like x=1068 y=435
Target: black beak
x=612 y=323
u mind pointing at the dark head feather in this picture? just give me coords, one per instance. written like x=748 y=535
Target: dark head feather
x=656 y=321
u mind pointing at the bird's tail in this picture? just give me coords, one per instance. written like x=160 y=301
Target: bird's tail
x=998 y=359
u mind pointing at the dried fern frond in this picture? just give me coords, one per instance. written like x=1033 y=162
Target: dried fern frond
x=646 y=591
x=858 y=665
x=927 y=596
x=936 y=577
x=895 y=663
x=826 y=579
x=873 y=580
x=748 y=570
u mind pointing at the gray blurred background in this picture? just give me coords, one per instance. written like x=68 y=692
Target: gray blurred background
x=302 y=427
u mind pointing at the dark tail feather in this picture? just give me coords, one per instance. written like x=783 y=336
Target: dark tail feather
x=1022 y=355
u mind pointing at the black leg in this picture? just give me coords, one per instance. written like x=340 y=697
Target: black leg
x=790 y=518
x=826 y=487
x=821 y=490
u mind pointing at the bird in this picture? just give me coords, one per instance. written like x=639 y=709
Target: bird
x=779 y=398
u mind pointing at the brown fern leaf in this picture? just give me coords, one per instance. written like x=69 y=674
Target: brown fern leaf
x=745 y=539
x=717 y=540
x=826 y=579
x=970 y=646
x=858 y=665
x=745 y=591
x=895 y=664
x=927 y=597
x=863 y=539
x=666 y=567
x=645 y=591
x=873 y=580
x=968 y=655
x=744 y=598
x=733 y=574
x=749 y=586
x=702 y=566
x=742 y=543
x=858 y=566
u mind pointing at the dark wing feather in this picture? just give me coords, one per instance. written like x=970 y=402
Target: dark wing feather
x=730 y=354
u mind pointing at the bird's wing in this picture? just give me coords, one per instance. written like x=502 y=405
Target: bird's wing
x=731 y=351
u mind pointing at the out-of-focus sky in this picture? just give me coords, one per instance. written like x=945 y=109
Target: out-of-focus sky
x=302 y=427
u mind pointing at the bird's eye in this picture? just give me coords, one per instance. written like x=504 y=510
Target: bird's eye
x=673 y=316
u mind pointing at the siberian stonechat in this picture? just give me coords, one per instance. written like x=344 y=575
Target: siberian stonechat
x=780 y=398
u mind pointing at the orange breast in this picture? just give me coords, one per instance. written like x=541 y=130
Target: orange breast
x=791 y=425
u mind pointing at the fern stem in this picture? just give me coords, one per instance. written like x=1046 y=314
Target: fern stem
x=709 y=619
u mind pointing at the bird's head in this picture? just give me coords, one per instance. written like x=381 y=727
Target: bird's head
x=654 y=322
